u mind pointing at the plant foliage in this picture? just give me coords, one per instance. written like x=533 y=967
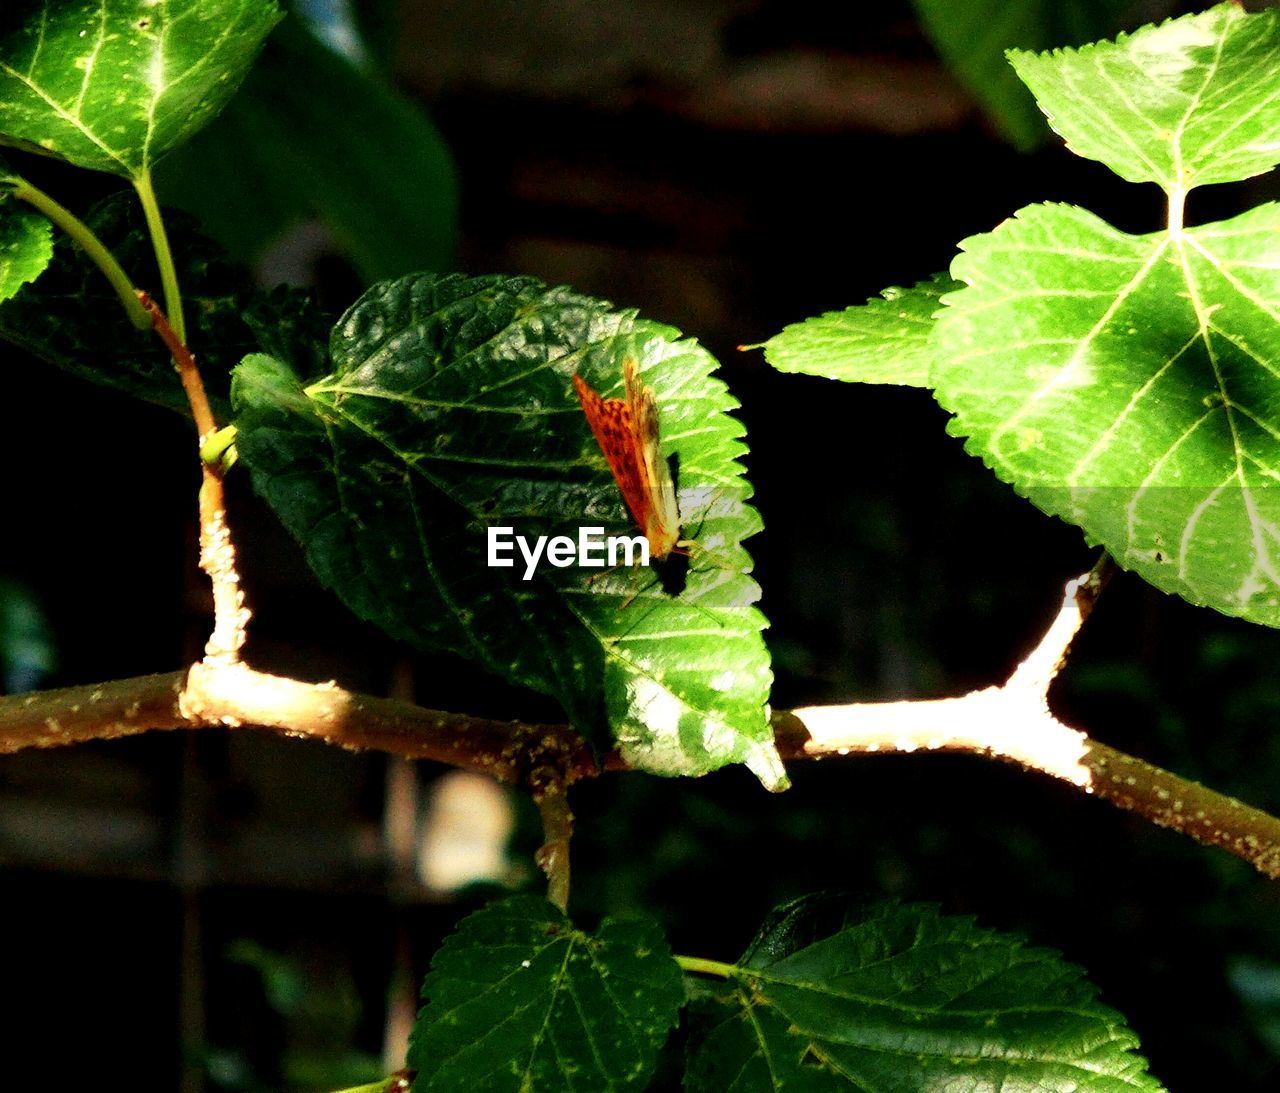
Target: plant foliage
x=71 y=318
x=26 y=245
x=520 y=999
x=972 y=38
x=382 y=182
x=903 y=997
x=112 y=85
x=1127 y=383
x=451 y=410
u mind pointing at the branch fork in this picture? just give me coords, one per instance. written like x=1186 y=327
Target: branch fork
x=1011 y=722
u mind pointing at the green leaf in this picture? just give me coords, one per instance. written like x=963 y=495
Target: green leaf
x=741 y=1044
x=972 y=38
x=26 y=244
x=451 y=410
x=113 y=85
x=313 y=135
x=287 y=322
x=905 y=998
x=1127 y=384
x=71 y=317
x=885 y=340
x=26 y=239
x=1193 y=101
x=520 y=999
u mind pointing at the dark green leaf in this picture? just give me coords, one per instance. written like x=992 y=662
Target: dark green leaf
x=313 y=135
x=972 y=38
x=26 y=244
x=379 y=31
x=885 y=340
x=451 y=410
x=520 y=999
x=747 y=1046
x=72 y=318
x=288 y=324
x=904 y=998
x=1193 y=101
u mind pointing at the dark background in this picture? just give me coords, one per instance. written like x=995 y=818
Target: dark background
x=228 y=911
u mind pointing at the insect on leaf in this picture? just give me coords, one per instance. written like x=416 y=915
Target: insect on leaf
x=451 y=410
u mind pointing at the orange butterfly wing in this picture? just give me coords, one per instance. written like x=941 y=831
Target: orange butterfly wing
x=627 y=432
x=663 y=526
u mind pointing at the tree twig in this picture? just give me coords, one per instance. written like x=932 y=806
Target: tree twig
x=552 y=797
x=185 y=362
x=1012 y=722
x=217 y=550
x=213 y=695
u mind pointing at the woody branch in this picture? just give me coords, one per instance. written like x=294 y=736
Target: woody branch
x=1011 y=722
x=217 y=550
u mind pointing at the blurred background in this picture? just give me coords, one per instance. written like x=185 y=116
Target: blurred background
x=219 y=912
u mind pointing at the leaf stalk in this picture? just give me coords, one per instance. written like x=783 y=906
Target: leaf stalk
x=552 y=799
x=697 y=965
x=164 y=254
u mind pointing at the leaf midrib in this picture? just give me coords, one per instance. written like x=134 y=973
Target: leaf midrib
x=1060 y=374
x=1119 y=1045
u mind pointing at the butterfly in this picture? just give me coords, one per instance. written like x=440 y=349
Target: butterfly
x=627 y=431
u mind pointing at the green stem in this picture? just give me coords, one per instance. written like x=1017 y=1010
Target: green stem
x=164 y=256
x=399 y=1082
x=698 y=965
x=1177 y=208
x=89 y=243
x=216 y=447
x=557 y=827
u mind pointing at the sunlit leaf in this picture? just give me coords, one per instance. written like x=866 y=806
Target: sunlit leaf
x=451 y=410
x=885 y=340
x=1129 y=385
x=26 y=244
x=972 y=37
x=115 y=84
x=1193 y=101
x=1126 y=383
